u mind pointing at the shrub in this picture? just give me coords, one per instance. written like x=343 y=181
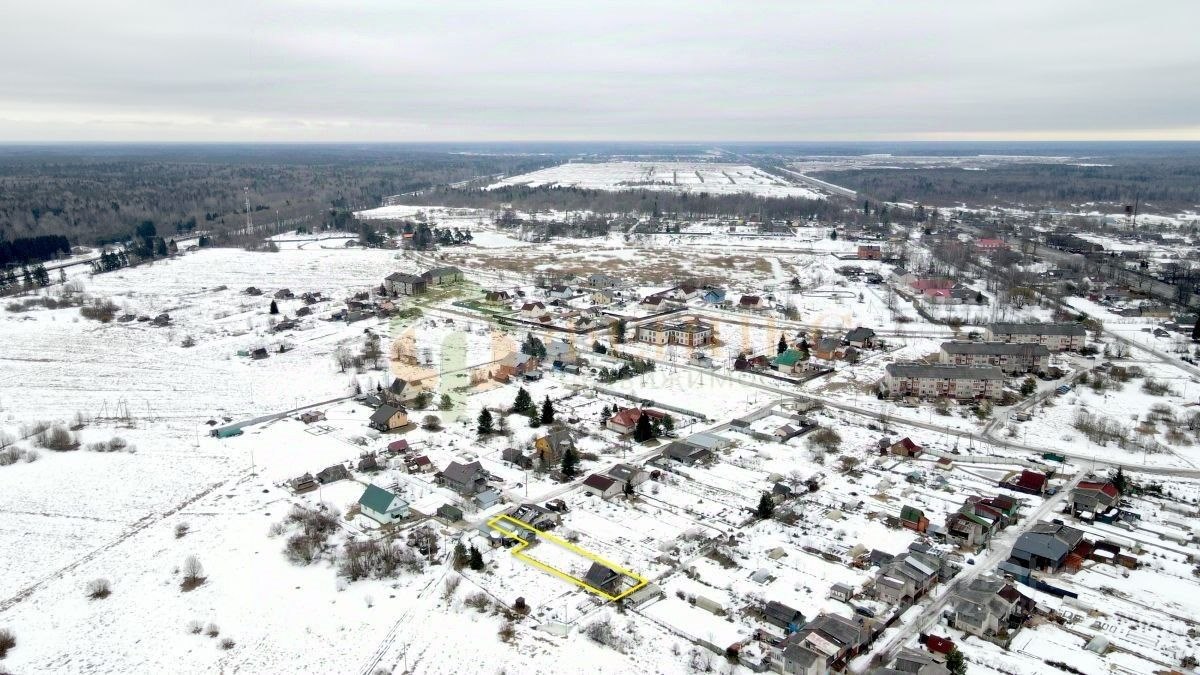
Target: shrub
x=226 y=643
x=479 y=602
x=302 y=548
x=98 y=589
x=507 y=631
x=1155 y=388
x=181 y=530
x=8 y=640
x=195 y=627
x=431 y=423
x=57 y=438
x=212 y=630
x=100 y=310
x=826 y=439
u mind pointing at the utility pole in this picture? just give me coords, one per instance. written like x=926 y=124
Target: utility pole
x=249 y=218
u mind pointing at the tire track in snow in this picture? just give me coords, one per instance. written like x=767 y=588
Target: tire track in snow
x=138 y=526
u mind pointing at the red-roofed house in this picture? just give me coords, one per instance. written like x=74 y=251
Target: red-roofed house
x=939 y=645
x=602 y=486
x=927 y=283
x=991 y=245
x=1094 y=497
x=625 y=421
x=1029 y=482
x=905 y=447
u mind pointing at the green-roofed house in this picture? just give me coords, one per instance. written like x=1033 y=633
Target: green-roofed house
x=789 y=360
x=914 y=519
x=382 y=505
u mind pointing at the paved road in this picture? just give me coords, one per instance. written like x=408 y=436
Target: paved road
x=997 y=552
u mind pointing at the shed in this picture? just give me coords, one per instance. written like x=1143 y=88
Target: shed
x=450 y=513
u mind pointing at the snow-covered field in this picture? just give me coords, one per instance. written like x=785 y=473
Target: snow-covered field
x=707 y=177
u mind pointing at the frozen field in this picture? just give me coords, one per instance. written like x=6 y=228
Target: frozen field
x=676 y=176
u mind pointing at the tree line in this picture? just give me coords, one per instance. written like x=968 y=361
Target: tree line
x=33 y=249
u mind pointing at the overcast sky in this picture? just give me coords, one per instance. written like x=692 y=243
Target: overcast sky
x=440 y=70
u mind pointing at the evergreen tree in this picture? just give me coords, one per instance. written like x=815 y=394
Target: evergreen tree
x=766 y=506
x=619 y=331
x=446 y=403
x=643 y=431
x=783 y=345
x=485 y=422
x=955 y=663
x=1120 y=481
x=274 y=307
x=740 y=363
x=1196 y=331
x=570 y=463
x=1028 y=386
x=476 y=559
x=461 y=557
x=547 y=411
x=668 y=424
x=523 y=401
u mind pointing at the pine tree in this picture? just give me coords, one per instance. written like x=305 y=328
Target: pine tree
x=783 y=346
x=461 y=557
x=1196 y=331
x=476 y=559
x=643 y=431
x=547 y=411
x=766 y=506
x=619 y=331
x=523 y=401
x=955 y=663
x=485 y=422
x=570 y=463
x=446 y=403
x=1119 y=480
x=274 y=308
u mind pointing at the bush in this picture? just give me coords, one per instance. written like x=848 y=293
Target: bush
x=479 y=602
x=431 y=423
x=98 y=589
x=181 y=530
x=212 y=630
x=507 y=631
x=57 y=438
x=826 y=439
x=7 y=641
x=1156 y=388
x=100 y=310
x=13 y=455
x=302 y=548
x=195 y=627
x=226 y=643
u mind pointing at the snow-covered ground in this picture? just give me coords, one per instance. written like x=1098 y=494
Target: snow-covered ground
x=708 y=177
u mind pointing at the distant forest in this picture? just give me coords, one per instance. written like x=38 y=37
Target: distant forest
x=33 y=249
x=99 y=194
x=1163 y=184
x=647 y=202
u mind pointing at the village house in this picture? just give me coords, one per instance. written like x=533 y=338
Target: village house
x=942 y=381
x=990 y=245
x=625 y=421
x=861 y=338
x=399 y=392
x=693 y=333
x=442 y=275
x=687 y=453
x=978 y=519
x=1029 y=482
x=603 y=579
x=1012 y=358
x=751 y=302
x=602 y=281
x=832 y=349
x=332 y=474
x=989 y=608
x=533 y=310
x=386 y=418
x=870 y=252
x=824 y=644
x=602 y=486
x=1090 y=499
x=628 y=474
x=382 y=506
x=907 y=577
x=913 y=662
x=305 y=483
x=713 y=296
x=550 y=447
x=560 y=292
x=466 y=479
x=497 y=296
x=399 y=283
x=1050 y=547
x=684 y=292
x=905 y=447
x=914 y=519
x=788 y=619
x=842 y=592
x=654 y=303
x=1056 y=337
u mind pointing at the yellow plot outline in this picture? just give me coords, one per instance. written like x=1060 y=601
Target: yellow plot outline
x=518 y=552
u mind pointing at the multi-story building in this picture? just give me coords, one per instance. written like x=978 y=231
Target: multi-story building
x=1056 y=336
x=1011 y=357
x=693 y=333
x=942 y=381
